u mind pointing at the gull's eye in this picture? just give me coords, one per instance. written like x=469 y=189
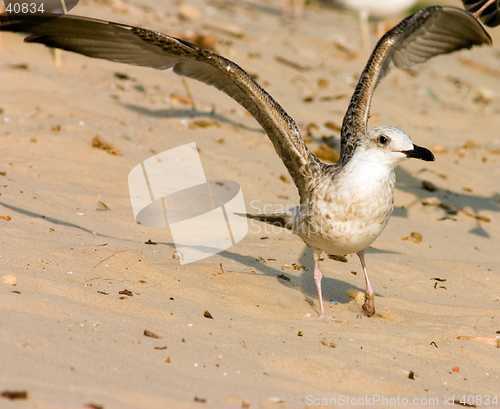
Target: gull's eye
x=383 y=140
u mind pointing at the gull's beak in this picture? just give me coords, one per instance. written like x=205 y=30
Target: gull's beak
x=419 y=153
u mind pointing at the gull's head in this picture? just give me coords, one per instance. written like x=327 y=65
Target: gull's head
x=390 y=146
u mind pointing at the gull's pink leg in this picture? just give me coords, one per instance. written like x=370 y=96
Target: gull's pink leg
x=298 y=7
x=478 y=13
x=369 y=305
x=317 y=279
x=285 y=9
x=292 y=12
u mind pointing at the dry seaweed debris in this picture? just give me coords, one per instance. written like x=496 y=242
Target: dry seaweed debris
x=432 y=201
x=98 y=143
x=293 y=64
x=328 y=344
x=14 y=394
x=414 y=237
x=206 y=41
x=203 y=123
x=150 y=334
x=325 y=152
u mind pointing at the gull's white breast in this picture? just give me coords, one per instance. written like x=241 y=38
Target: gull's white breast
x=345 y=215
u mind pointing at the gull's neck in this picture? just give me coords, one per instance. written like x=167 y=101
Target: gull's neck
x=364 y=173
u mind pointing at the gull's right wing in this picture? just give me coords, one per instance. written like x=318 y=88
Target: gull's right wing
x=138 y=46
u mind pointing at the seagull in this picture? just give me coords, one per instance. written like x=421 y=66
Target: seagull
x=343 y=207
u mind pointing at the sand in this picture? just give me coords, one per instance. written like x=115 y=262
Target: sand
x=72 y=337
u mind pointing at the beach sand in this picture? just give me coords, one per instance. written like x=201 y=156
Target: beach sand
x=72 y=337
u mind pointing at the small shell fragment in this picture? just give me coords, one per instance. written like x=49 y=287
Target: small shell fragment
x=177 y=255
x=439 y=149
x=9 y=279
x=328 y=344
x=431 y=201
x=469 y=143
x=485 y=96
x=491 y=341
x=275 y=399
x=357 y=295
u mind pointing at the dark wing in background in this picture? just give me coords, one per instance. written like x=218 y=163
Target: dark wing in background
x=489 y=15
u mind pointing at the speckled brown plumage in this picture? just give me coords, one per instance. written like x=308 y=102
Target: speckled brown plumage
x=429 y=32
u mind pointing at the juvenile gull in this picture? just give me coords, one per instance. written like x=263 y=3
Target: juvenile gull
x=343 y=207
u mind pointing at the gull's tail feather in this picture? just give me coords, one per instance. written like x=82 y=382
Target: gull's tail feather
x=285 y=219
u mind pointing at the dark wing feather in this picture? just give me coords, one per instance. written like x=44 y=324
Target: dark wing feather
x=138 y=46
x=489 y=10
x=427 y=33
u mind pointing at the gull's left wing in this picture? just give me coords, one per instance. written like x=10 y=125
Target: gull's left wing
x=427 y=33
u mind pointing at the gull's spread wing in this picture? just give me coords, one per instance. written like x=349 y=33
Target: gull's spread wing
x=427 y=33
x=489 y=10
x=138 y=46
